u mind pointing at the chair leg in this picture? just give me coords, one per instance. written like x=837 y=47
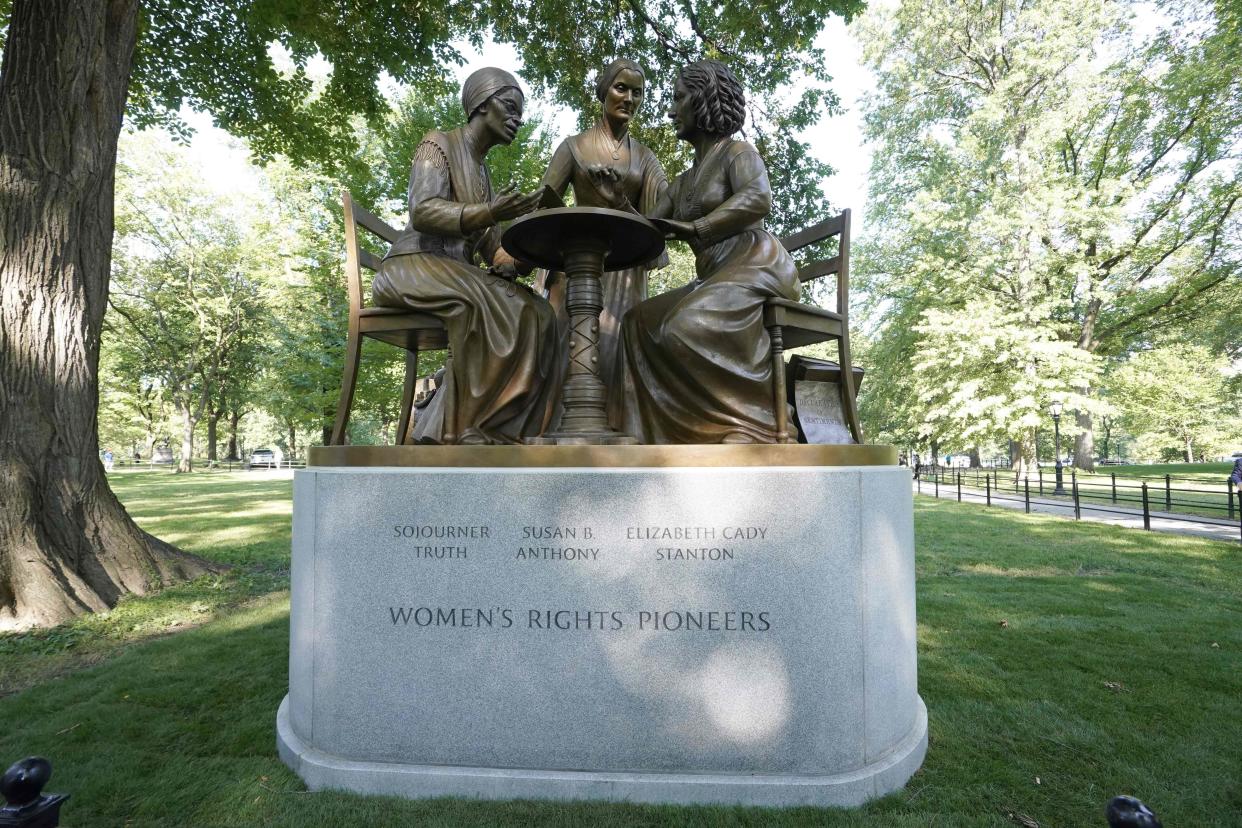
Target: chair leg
x=849 y=398
x=349 y=378
x=407 y=396
x=778 y=383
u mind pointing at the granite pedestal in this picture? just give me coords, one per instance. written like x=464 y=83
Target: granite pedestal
x=725 y=624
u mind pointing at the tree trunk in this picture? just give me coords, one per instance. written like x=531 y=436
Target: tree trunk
x=188 y=422
x=234 y=419
x=1189 y=451
x=212 y=420
x=975 y=462
x=1084 y=442
x=67 y=545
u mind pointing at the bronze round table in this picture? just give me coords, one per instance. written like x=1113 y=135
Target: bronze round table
x=583 y=242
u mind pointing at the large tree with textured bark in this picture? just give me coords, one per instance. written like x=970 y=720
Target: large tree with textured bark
x=73 y=69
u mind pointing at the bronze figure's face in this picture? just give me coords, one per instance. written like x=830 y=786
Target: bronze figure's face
x=503 y=114
x=681 y=112
x=624 y=96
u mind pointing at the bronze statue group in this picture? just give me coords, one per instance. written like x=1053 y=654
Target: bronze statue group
x=688 y=366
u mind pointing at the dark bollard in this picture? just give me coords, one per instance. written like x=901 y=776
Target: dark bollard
x=988 y=480
x=1027 y=496
x=1128 y=812
x=959 y=487
x=1074 y=492
x=1168 y=494
x=1146 y=509
x=1114 y=477
x=25 y=805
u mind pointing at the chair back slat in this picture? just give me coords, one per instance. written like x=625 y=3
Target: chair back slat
x=843 y=279
x=369 y=260
x=375 y=224
x=826 y=229
x=353 y=274
x=357 y=256
x=822 y=267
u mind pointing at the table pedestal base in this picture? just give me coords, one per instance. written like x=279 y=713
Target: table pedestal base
x=585 y=397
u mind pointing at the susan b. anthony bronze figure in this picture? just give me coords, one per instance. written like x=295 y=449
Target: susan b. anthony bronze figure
x=607 y=167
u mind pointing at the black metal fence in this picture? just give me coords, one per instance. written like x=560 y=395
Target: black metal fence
x=1128 y=496
x=207 y=465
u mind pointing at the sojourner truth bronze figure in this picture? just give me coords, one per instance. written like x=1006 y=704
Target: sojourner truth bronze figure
x=502 y=336
x=635 y=180
x=699 y=356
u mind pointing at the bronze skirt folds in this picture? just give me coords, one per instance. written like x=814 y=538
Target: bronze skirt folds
x=504 y=348
x=700 y=357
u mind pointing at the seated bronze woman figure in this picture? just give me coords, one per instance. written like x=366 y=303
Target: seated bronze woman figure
x=503 y=337
x=699 y=356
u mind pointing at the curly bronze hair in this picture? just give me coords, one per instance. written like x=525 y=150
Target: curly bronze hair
x=717 y=96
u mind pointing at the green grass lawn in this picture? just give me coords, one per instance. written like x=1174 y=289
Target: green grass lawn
x=1062 y=663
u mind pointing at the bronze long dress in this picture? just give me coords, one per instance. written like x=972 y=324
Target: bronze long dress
x=642 y=182
x=699 y=356
x=503 y=337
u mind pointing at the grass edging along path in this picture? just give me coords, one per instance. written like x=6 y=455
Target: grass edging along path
x=1061 y=664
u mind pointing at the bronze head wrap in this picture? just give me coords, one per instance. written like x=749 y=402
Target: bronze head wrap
x=610 y=72
x=482 y=84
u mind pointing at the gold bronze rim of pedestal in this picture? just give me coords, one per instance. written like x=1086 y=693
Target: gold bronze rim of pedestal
x=584 y=395
x=602 y=456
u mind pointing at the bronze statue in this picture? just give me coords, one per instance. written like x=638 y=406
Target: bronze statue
x=609 y=168
x=503 y=338
x=699 y=356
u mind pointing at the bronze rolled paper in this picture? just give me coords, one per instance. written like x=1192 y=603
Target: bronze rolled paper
x=637 y=183
x=503 y=337
x=699 y=357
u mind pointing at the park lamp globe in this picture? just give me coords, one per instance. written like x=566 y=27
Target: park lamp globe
x=1055 y=407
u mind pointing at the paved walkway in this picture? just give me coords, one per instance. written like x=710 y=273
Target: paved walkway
x=1177 y=524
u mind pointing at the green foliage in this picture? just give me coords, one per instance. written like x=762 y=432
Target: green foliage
x=216 y=56
x=189 y=284
x=1177 y=398
x=1045 y=176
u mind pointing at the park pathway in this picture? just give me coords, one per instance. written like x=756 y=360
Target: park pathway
x=1179 y=524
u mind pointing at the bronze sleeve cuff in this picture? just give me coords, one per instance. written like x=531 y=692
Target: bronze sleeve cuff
x=475 y=217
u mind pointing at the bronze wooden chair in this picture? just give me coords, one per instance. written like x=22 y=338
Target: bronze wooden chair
x=793 y=324
x=406 y=329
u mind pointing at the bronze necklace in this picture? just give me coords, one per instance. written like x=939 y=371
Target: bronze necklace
x=614 y=143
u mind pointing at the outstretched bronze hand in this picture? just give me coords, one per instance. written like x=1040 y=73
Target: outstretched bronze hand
x=607 y=180
x=510 y=203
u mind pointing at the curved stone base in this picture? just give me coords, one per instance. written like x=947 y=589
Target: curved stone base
x=321 y=771
x=662 y=632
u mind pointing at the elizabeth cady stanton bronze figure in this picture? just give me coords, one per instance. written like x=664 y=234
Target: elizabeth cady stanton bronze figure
x=699 y=356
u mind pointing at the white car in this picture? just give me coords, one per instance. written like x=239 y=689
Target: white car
x=263 y=457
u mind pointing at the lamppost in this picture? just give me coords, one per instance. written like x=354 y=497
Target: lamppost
x=1056 y=425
